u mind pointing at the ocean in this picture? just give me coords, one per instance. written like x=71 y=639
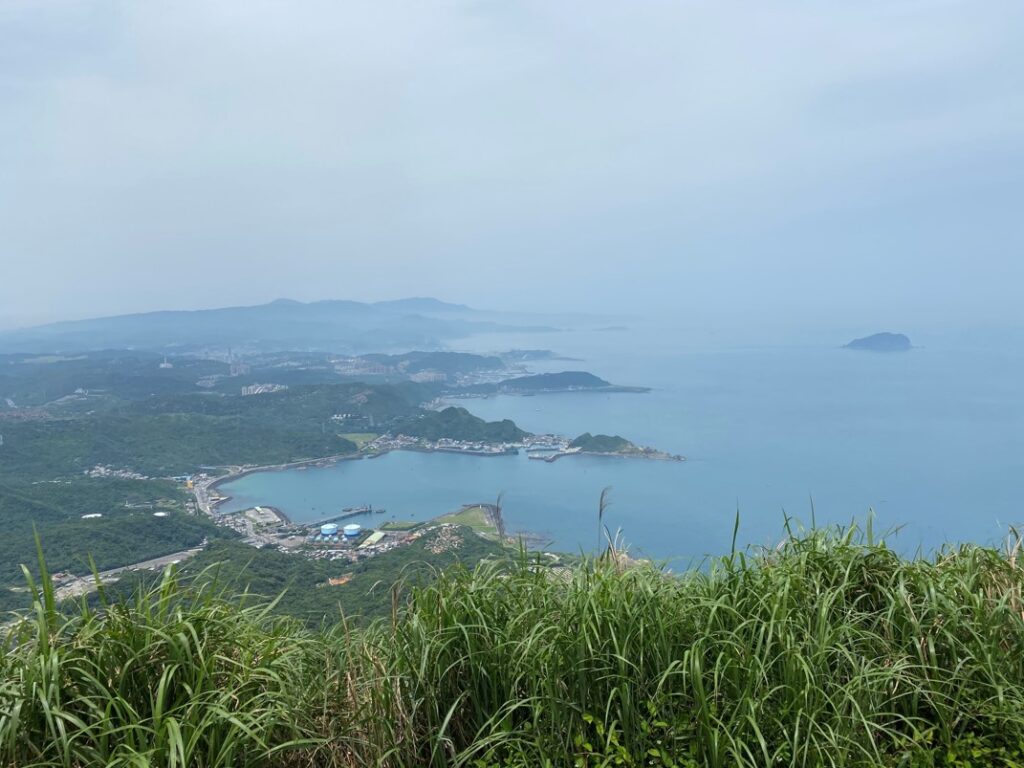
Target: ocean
x=930 y=443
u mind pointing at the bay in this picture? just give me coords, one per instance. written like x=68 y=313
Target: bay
x=932 y=441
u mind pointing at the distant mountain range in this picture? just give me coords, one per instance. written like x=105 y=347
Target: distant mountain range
x=336 y=325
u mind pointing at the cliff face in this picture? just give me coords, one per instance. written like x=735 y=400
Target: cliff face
x=882 y=342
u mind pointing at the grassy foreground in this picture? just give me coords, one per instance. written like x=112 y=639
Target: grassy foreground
x=830 y=651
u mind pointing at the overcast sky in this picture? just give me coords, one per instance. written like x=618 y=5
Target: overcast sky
x=794 y=163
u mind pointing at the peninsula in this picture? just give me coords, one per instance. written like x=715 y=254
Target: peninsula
x=547 y=383
x=605 y=445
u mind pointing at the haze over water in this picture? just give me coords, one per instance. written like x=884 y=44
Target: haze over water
x=931 y=440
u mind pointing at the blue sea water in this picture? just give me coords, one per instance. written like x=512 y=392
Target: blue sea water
x=931 y=440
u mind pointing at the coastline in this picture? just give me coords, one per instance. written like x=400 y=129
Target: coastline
x=457 y=451
x=614 y=389
x=209 y=505
x=657 y=456
x=236 y=473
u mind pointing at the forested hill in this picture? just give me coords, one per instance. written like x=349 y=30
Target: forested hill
x=552 y=381
x=459 y=424
x=566 y=381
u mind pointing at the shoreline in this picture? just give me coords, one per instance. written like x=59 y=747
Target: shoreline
x=552 y=458
x=424 y=449
x=212 y=504
x=236 y=474
x=231 y=476
x=615 y=389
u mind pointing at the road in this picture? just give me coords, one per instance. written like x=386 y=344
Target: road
x=201 y=489
x=85 y=584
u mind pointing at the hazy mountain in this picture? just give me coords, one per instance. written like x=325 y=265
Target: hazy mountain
x=282 y=324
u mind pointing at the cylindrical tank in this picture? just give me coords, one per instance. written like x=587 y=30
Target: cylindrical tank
x=351 y=531
x=329 y=529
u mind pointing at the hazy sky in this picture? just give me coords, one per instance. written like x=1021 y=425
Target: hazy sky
x=780 y=164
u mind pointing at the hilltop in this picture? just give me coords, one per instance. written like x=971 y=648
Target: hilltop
x=459 y=424
x=602 y=443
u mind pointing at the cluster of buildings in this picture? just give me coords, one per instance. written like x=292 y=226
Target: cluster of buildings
x=386 y=443
x=354 y=542
x=357 y=366
x=326 y=541
x=429 y=377
x=101 y=470
x=471 y=447
x=263 y=389
x=540 y=443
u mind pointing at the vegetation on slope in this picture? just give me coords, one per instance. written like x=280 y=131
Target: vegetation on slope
x=157 y=445
x=543 y=382
x=32 y=380
x=449 y=363
x=830 y=651
x=601 y=443
x=46 y=452
x=459 y=424
x=304 y=586
x=55 y=510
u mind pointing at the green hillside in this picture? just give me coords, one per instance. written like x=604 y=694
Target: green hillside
x=459 y=424
x=601 y=443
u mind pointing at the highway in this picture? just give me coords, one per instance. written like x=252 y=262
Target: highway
x=84 y=584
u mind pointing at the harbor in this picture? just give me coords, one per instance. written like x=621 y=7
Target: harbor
x=350 y=512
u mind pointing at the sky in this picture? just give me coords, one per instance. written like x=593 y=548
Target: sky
x=790 y=165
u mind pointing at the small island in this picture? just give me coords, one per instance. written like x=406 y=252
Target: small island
x=881 y=342
x=607 y=445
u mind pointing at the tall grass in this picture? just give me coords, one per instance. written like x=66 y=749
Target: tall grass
x=830 y=651
x=177 y=677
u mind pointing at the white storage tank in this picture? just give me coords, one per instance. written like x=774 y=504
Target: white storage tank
x=329 y=529
x=352 y=531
